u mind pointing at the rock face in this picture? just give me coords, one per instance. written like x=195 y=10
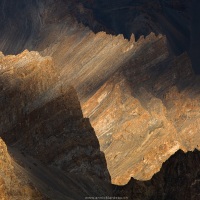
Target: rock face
x=178 y=20
x=143 y=102
x=46 y=122
x=146 y=112
x=177 y=179
x=13 y=184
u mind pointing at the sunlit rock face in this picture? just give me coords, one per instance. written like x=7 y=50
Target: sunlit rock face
x=144 y=114
x=14 y=185
x=141 y=100
x=44 y=119
x=178 y=20
x=178 y=179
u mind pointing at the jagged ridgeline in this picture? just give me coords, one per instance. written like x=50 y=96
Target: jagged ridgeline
x=84 y=107
x=48 y=136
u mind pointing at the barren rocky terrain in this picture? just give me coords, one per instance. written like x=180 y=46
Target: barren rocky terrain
x=81 y=102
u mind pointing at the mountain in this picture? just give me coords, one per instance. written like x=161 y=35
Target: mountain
x=48 y=136
x=13 y=183
x=178 y=20
x=104 y=92
x=177 y=179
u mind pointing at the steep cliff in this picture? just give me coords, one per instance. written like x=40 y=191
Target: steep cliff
x=178 y=20
x=146 y=112
x=52 y=145
x=141 y=99
x=177 y=179
x=44 y=121
x=14 y=185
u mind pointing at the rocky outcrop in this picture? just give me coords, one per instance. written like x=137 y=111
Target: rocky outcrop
x=146 y=112
x=13 y=184
x=52 y=145
x=141 y=100
x=178 y=20
x=177 y=179
x=46 y=121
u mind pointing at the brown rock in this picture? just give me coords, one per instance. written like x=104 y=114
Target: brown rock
x=46 y=121
x=141 y=100
x=13 y=185
x=177 y=179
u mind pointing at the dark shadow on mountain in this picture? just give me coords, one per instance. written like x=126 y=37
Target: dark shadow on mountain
x=158 y=71
x=20 y=21
x=57 y=134
x=51 y=141
x=178 y=20
x=178 y=179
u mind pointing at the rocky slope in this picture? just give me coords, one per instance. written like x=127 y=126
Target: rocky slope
x=177 y=179
x=144 y=114
x=22 y=177
x=178 y=20
x=46 y=122
x=142 y=100
x=14 y=185
x=47 y=134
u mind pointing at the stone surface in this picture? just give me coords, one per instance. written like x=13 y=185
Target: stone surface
x=143 y=102
x=146 y=112
x=177 y=179
x=178 y=20
x=13 y=184
x=44 y=121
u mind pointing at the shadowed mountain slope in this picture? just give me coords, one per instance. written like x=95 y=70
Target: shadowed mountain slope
x=42 y=125
x=47 y=135
x=178 y=20
x=13 y=183
x=55 y=153
x=177 y=179
x=143 y=101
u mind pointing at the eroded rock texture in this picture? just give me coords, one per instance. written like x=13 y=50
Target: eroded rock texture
x=178 y=20
x=14 y=185
x=177 y=179
x=45 y=121
x=146 y=112
x=143 y=102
